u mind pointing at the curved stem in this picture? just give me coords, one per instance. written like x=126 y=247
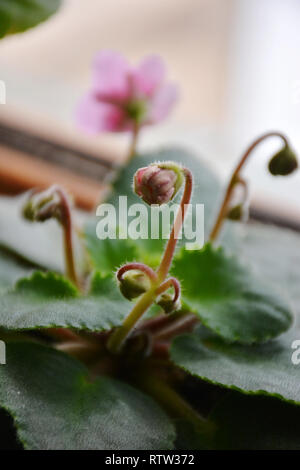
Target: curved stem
x=180 y=325
x=118 y=337
x=244 y=185
x=134 y=141
x=66 y=221
x=234 y=179
x=175 y=404
x=171 y=245
x=172 y=281
x=138 y=266
x=243 y=201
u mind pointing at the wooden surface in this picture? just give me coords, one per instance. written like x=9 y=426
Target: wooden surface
x=21 y=170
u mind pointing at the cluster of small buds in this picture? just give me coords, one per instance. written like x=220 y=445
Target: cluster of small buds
x=283 y=163
x=134 y=279
x=158 y=183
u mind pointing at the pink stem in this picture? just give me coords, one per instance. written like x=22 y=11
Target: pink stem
x=172 y=281
x=66 y=221
x=233 y=180
x=138 y=266
x=171 y=245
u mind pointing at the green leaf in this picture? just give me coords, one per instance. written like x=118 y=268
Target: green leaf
x=46 y=285
x=228 y=299
x=19 y=15
x=50 y=300
x=109 y=254
x=274 y=254
x=257 y=369
x=56 y=405
x=256 y=423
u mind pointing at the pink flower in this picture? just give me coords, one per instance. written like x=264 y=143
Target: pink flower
x=122 y=96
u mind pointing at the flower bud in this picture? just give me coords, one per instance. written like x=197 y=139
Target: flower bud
x=41 y=206
x=167 y=303
x=158 y=183
x=284 y=162
x=237 y=213
x=133 y=283
x=28 y=211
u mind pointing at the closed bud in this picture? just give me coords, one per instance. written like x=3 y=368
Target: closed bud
x=41 y=206
x=238 y=213
x=49 y=204
x=133 y=283
x=238 y=210
x=28 y=211
x=158 y=183
x=284 y=162
x=167 y=303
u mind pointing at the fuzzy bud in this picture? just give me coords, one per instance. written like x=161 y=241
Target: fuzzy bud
x=158 y=183
x=41 y=206
x=284 y=162
x=133 y=283
x=166 y=302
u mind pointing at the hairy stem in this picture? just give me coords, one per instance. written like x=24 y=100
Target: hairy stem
x=138 y=266
x=134 y=141
x=235 y=179
x=66 y=220
x=172 y=281
x=171 y=245
x=118 y=337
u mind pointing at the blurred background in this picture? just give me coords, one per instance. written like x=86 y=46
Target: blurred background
x=236 y=62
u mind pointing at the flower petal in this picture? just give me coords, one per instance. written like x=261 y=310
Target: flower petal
x=110 y=76
x=148 y=76
x=162 y=103
x=95 y=116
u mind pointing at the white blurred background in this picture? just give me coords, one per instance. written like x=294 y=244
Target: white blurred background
x=236 y=61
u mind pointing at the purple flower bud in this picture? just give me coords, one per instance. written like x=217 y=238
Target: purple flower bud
x=158 y=183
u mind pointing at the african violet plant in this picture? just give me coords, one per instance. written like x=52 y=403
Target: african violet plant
x=152 y=347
